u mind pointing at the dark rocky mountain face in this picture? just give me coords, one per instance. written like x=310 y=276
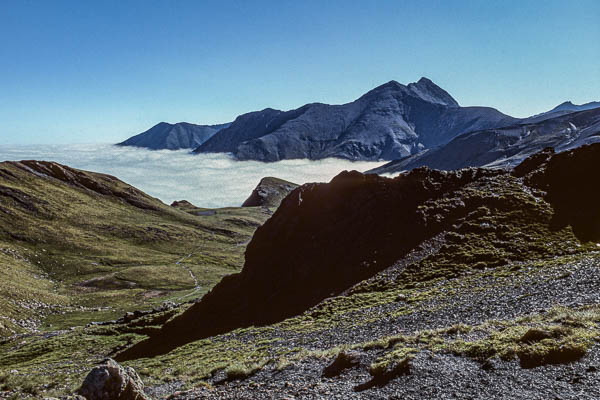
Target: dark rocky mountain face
x=389 y=122
x=174 y=136
x=325 y=238
x=506 y=146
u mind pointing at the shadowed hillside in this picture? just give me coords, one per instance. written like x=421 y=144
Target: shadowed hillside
x=325 y=238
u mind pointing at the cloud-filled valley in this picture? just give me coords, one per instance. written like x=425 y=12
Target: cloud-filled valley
x=206 y=180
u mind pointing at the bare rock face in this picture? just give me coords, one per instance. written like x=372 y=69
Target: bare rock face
x=111 y=381
x=269 y=192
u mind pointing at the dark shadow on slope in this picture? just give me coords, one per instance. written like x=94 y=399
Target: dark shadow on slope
x=383 y=377
x=323 y=239
x=571 y=182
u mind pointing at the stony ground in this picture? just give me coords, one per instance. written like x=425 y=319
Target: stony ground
x=439 y=376
x=473 y=300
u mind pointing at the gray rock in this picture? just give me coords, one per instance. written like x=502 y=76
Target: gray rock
x=111 y=381
x=343 y=361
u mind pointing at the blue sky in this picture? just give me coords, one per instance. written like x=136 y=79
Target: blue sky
x=101 y=71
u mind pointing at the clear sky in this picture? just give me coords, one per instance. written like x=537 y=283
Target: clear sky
x=101 y=71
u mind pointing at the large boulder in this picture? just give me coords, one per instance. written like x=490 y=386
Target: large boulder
x=111 y=381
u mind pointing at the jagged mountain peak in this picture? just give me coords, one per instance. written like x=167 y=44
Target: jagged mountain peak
x=567 y=103
x=390 y=84
x=425 y=89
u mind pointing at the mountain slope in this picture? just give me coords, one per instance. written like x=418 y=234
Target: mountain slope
x=570 y=107
x=390 y=121
x=78 y=246
x=505 y=146
x=174 y=136
x=325 y=238
x=564 y=108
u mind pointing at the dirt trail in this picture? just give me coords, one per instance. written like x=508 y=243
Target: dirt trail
x=197 y=286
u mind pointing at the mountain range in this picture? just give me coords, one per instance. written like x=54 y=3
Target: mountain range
x=507 y=146
x=410 y=125
x=563 y=108
x=388 y=122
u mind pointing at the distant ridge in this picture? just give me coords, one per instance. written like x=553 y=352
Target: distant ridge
x=564 y=108
x=177 y=136
x=569 y=106
x=505 y=147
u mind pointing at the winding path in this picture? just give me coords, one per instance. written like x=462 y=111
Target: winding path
x=197 y=286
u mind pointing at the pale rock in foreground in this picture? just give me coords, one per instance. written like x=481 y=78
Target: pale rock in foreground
x=111 y=381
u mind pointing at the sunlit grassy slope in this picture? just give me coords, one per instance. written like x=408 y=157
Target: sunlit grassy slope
x=77 y=247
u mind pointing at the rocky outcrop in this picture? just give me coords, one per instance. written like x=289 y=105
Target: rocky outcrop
x=173 y=136
x=269 y=193
x=325 y=238
x=389 y=122
x=111 y=381
x=182 y=204
x=343 y=361
x=505 y=147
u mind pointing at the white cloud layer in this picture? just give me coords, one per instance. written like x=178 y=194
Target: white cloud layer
x=206 y=180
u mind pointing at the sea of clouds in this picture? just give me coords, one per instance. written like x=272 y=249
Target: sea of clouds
x=206 y=180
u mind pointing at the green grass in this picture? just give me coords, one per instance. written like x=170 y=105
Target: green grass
x=72 y=247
